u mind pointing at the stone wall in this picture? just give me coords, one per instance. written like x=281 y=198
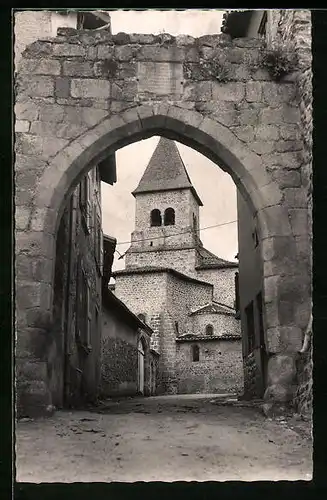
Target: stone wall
x=95 y=93
x=136 y=290
x=223 y=281
x=119 y=361
x=295 y=29
x=181 y=259
x=182 y=296
x=219 y=369
x=223 y=324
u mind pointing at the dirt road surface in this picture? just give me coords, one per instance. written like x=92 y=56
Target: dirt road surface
x=162 y=438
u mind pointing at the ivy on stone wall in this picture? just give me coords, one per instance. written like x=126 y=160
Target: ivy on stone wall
x=216 y=68
x=280 y=60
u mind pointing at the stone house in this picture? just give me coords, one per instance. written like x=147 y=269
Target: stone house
x=184 y=292
x=293 y=29
x=128 y=364
x=74 y=338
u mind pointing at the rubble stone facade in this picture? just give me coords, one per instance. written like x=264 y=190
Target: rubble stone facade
x=88 y=90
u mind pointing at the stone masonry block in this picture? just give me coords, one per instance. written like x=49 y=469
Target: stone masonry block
x=273 y=339
x=34 y=244
x=291 y=114
x=295 y=197
x=35 y=294
x=42 y=66
x=274 y=222
x=228 y=91
x=263 y=147
x=267 y=132
x=270 y=116
x=299 y=221
x=90 y=88
x=271 y=288
x=22 y=215
x=158 y=53
x=290 y=132
x=22 y=125
x=35 y=86
x=281 y=369
x=105 y=51
x=51 y=113
x=83 y=116
x=245 y=133
x=275 y=93
x=289 y=160
x=271 y=193
x=68 y=50
x=62 y=87
x=200 y=91
x=253 y=91
x=123 y=52
x=27 y=110
x=271 y=315
x=77 y=68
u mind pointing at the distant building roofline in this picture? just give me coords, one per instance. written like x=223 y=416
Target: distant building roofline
x=110 y=299
x=146 y=270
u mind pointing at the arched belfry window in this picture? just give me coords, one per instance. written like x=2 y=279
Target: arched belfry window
x=195 y=353
x=155 y=217
x=169 y=217
x=209 y=330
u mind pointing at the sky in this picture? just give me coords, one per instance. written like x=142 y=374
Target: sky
x=215 y=188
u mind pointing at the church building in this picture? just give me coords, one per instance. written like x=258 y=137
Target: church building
x=185 y=293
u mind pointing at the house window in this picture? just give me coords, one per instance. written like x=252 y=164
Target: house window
x=84 y=314
x=237 y=296
x=177 y=327
x=98 y=243
x=263 y=25
x=209 y=330
x=85 y=202
x=249 y=313
x=141 y=317
x=169 y=217
x=194 y=223
x=195 y=353
x=155 y=218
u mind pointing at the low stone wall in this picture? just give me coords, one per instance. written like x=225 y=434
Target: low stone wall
x=219 y=369
x=118 y=368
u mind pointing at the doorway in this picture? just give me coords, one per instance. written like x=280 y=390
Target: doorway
x=140 y=350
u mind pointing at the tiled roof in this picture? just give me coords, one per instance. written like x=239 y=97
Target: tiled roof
x=154 y=269
x=114 y=305
x=209 y=260
x=192 y=337
x=214 y=308
x=165 y=171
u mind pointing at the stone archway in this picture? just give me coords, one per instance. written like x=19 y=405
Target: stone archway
x=87 y=134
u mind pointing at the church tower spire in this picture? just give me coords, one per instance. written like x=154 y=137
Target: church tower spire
x=166 y=213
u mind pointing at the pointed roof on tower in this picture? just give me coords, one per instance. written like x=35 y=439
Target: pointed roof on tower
x=166 y=171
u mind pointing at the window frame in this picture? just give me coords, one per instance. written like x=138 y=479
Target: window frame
x=152 y=219
x=195 y=353
x=210 y=327
x=169 y=214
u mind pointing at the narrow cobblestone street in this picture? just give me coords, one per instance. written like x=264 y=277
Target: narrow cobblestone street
x=163 y=438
